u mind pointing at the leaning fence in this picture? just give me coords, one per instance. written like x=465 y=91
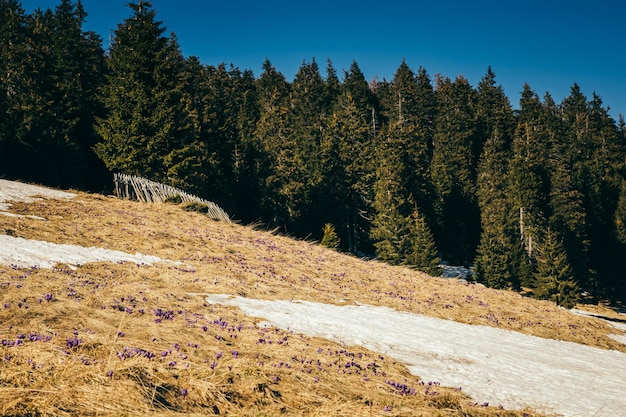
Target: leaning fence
x=130 y=187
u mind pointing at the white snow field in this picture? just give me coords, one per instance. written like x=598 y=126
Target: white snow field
x=497 y=366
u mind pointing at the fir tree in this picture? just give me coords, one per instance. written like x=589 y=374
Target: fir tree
x=307 y=115
x=146 y=123
x=348 y=177
x=390 y=226
x=554 y=275
x=330 y=238
x=422 y=254
x=453 y=171
x=13 y=56
x=281 y=188
x=52 y=72
x=496 y=263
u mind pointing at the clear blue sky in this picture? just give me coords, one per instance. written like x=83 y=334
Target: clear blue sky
x=548 y=44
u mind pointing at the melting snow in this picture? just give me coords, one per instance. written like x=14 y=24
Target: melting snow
x=492 y=365
x=17 y=191
x=27 y=253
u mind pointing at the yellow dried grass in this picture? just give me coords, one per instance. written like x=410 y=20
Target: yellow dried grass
x=220 y=368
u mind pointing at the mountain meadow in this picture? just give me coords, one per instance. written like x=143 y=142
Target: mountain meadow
x=138 y=337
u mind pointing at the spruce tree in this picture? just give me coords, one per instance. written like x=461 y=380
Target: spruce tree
x=52 y=71
x=422 y=254
x=496 y=263
x=249 y=157
x=554 y=276
x=13 y=56
x=453 y=171
x=79 y=70
x=330 y=238
x=348 y=176
x=411 y=123
x=570 y=188
x=332 y=88
x=390 y=226
x=145 y=123
x=307 y=118
x=281 y=188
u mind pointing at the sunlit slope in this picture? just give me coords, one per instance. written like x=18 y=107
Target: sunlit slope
x=113 y=338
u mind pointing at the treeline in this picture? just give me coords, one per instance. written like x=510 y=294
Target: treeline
x=413 y=170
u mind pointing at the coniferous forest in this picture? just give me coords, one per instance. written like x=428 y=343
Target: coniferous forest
x=413 y=170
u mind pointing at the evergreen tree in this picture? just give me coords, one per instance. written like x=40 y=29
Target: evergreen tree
x=332 y=88
x=569 y=218
x=601 y=187
x=354 y=83
x=282 y=188
x=390 y=225
x=52 y=71
x=146 y=124
x=330 y=238
x=529 y=179
x=453 y=171
x=79 y=70
x=554 y=274
x=13 y=55
x=422 y=254
x=411 y=131
x=307 y=118
x=249 y=156
x=348 y=177
x=571 y=188
x=496 y=263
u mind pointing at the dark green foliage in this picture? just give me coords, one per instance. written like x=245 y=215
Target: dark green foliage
x=176 y=199
x=453 y=170
x=146 y=131
x=195 y=207
x=392 y=236
x=345 y=191
x=620 y=215
x=390 y=226
x=330 y=238
x=300 y=155
x=423 y=253
x=497 y=260
x=555 y=280
x=51 y=73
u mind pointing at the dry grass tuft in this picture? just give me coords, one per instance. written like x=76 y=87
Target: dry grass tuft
x=121 y=339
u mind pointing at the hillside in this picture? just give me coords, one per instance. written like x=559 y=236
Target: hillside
x=137 y=336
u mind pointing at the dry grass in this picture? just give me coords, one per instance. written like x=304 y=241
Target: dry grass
x=122 y=339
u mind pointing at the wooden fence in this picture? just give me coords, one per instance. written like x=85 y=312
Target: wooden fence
x=136 y=188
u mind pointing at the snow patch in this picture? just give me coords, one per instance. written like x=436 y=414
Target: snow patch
x=28 y=253
x=18 y=191
x=492 y=365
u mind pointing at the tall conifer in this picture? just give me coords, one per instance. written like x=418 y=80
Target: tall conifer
x=145 y=122
x=453 y=170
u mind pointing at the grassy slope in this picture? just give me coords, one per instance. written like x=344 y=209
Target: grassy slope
x=122 y=339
